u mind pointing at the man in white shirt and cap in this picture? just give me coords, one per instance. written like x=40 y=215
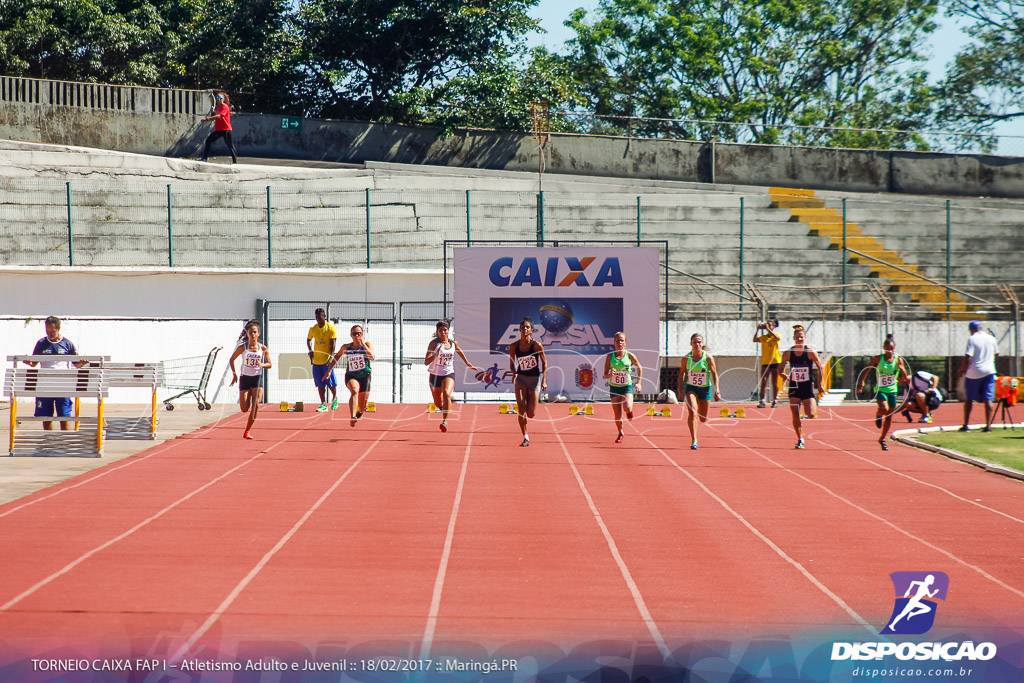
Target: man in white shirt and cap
x=979 y=372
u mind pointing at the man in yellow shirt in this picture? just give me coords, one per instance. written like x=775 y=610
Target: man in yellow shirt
x=320 y=341
x=771 y=357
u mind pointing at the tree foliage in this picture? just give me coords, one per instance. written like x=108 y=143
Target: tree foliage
x=985 y=83
x=240 y=45
x=379 y=59
x=762 y=65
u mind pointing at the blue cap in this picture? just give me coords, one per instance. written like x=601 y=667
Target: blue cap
x=975 y=325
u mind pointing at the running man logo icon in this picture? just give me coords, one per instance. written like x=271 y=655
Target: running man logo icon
x=917 y=596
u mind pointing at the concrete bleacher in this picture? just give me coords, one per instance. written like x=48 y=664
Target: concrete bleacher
x=319 y=220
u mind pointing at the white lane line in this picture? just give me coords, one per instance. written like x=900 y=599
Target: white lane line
x=163 y=448
x=638 y=599
x=767 y=541
x=103 y=546
x=886 y=522
x=247 y=579
x=925 y=483
x=442 y=570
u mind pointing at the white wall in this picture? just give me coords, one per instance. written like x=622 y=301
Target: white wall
x=151 y=315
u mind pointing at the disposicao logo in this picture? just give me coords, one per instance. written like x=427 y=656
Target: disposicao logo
x=913 y=613
x=556 y=272
x=917 y=596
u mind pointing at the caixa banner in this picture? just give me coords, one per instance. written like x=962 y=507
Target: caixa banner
x=578 y=299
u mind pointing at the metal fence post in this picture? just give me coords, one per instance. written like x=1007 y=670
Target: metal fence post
x=638 y=220
x=844 y=257
x=394 y=356
x=71 y=238
x=170 y=230
x=540 y=218
x=468 y=242
x=270 y=245
x=741 y=258
x=367 y=227
x=949 y=233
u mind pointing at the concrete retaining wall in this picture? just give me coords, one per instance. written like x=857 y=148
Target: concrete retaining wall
x=154 y=124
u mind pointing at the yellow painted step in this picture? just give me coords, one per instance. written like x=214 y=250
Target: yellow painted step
x=796 y=192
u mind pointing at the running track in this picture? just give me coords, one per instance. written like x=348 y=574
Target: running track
x=394 y=536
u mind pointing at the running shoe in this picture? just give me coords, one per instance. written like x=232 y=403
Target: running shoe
x=693 y=446
x=334 y=404
x=526 y=442
x=987 y=429
x=883 y=444
x=962 y=429
x=927 y=419
x=202 y=158
x=352 y=422
x=247 y=435
x=629 y=416
x=906 y=414
x=618 y=439
x=773 y=404
x=359 y=414
x=878 y=422
x=444 y=426
x=760 y=404
x=800 y=443
x=322 y=408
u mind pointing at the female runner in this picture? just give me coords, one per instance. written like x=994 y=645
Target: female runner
x=255 y=359
x=892 y=371
x=617 y=370
x=699 y=373
x=440 y=361
x=802 y=386
x=530 y=367
x=358 y=354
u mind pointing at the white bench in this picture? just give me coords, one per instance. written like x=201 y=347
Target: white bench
x=90 y=381
x=134 y=375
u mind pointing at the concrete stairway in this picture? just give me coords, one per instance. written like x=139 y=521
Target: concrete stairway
x=884 y=263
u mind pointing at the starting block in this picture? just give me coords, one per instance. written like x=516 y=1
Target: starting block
x=652 y=411
x=729 y=412
x=506 y=409
x=431 y=408
x=581 y=410
x=371 y=407
x=297 y=407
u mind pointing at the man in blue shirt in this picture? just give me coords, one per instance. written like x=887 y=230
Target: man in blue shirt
x=53 y=343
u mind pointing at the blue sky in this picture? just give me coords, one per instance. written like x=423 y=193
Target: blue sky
x=946 y=41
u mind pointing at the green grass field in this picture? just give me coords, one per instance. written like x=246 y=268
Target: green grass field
x=999 y=447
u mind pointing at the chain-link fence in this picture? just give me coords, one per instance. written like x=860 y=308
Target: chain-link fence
x=911 y=244
x=286 y=328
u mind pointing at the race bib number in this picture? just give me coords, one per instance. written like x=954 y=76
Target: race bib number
x=698 y=379
x=356 y=362
x=251 y=361
x=801 y=374
x=527 y=362
x=620 y=377
x=444 y=358
x=886 y=380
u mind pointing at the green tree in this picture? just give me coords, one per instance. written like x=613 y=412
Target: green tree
x=244 y=46
x=984 y=85
x=504 y=93
x=762 y=66
x=381 y=59
x=114 y=41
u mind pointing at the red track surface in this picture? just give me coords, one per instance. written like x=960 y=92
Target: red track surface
x=319 y=533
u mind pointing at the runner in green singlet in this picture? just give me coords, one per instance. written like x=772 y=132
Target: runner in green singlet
x=618 y=367
x=698 y=374
x=891 y=371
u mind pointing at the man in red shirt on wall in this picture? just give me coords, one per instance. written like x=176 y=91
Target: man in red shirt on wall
x=221 y=127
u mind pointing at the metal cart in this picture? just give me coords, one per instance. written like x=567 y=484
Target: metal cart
x=189 y=376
